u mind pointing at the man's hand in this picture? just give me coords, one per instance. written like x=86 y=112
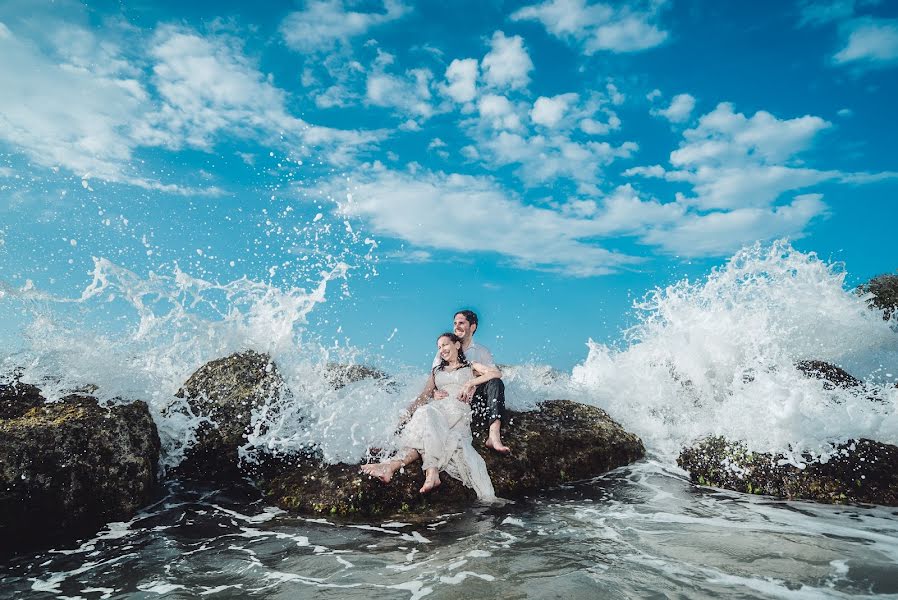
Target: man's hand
x=440 y=394
x=467 y=392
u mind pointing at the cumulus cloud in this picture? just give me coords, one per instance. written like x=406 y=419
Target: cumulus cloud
x=410 y=94
x=423 y=210
x=545 y=140
x=544 y=158
x=461 y=77
x=95 y=135
x=680 y=109
x=734 y=161
x=550 y=111
x=869 y=42
x=724 y=135
x=617 y=27
x=721 y=233
x=498 y=112
x=324 y=23
x=507 y=64
x=90 y=106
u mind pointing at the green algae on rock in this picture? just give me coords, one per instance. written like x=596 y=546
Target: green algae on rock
x=862 y=471
x=68 y=467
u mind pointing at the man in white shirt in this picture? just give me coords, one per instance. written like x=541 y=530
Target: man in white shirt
x=488 y=403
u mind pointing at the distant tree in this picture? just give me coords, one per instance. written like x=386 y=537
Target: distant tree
x=885 y=294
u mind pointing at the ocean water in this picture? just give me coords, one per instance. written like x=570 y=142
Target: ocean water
x=639 y=532
x=712 y=356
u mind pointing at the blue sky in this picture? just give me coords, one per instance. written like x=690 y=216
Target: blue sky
x=545 y=163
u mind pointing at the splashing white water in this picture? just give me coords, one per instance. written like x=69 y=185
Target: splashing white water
x=136 y=338
x=713 y=357
x=718 y=356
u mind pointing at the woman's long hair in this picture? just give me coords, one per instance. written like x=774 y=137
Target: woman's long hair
x=462 y=359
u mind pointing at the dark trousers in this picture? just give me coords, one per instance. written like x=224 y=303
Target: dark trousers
x=488 y=403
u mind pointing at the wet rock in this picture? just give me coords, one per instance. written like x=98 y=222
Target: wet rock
x=863 y=471
x=560 y=442
x=340 y=375
x=67 y=468
x=832 y=375
x=17 y=398
x=226 y=391
x=884 y=294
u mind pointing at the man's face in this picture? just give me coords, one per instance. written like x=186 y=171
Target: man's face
x=462 y=327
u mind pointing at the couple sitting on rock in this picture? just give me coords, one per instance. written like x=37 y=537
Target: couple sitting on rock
x=464 y=385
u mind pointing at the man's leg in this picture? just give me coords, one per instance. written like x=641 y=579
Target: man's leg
x=488 y=406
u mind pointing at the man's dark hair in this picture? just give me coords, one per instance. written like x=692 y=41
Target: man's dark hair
x=470 y=315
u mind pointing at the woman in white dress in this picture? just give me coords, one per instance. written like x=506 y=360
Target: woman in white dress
x=439 y=430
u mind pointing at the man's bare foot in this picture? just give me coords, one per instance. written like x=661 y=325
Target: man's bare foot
x=496 y=445
x=432 y=482
x=383 y=471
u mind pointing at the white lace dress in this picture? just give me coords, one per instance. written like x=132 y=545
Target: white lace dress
x=441 y=432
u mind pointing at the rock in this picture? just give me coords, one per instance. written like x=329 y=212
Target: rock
x=832 y=375
x=18 y=398
x=884 y=290
x=67 y=468
x=340 y=375
x=562 y=441
x=226 y=391
x=863 y=471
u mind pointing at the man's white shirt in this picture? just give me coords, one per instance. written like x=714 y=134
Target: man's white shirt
x=475 y=353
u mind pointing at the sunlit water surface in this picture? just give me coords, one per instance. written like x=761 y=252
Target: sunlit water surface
x=639 y=532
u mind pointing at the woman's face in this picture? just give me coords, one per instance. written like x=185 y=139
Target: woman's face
x=447 y=348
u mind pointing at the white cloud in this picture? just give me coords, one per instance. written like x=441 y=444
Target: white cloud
x=870 y=42
x=67 y=116
x=461 y=76
x=89 y=107
x=498 y=112
x=555 y=147
x=550 y=111
x=618 y=27
x=739 y=168
x=424 y=210
x=323 y=23
x=543 y=159
x=507 y=64
x=721 y=233
x=723 y=136
x=680 y=109
x=411 y=95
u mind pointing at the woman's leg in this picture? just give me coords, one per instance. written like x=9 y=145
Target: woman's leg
x=385 y=470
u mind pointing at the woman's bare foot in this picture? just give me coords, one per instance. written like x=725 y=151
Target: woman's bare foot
x=432 y=482
x=383 y=470
x=496 y=445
